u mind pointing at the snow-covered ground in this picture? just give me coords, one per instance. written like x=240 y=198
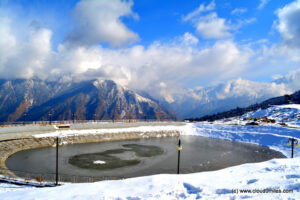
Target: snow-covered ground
x=143 y=129
x=283 y=115
x=263 y=180
x=288 y=114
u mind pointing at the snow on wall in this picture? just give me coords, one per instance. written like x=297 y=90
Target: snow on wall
x=143 y=129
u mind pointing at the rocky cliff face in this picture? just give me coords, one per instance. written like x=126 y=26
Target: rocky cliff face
x=94 y=99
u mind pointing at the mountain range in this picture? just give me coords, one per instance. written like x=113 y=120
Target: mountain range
x=65 y=99
x=35 y=99
x=198 y=102
x=281 y=100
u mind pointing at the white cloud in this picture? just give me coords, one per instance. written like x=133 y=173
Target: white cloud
x=241 y=87
x=241 y=23
x=100 y=21
x=291 y=80
x=7 y=42
x=24 y=59
x=189 y=39
x=202 y=8
x=211 y=26
x=288 y=24
x=250 y=90
x=262 y=4
x=160 y=69
x=225 y=96
x=208 y=25
x=268 y=60
x=238 y=11
x=278 y=58
x=281 y=52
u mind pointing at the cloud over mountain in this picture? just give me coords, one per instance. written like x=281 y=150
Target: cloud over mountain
x=138 y=67
x=99 y=44
x=225 y=96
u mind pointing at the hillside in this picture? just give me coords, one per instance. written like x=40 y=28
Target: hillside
x=286 y=99
x=287 y=115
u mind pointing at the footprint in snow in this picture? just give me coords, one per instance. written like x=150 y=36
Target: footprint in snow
x=133 y=198
x=224 y=191
x=295 y=187
x=267 y=169
x=251 y=181
x=191 y=189
x=292 y=176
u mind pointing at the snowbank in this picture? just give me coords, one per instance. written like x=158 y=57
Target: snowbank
x=272 y=177
x=142 y=129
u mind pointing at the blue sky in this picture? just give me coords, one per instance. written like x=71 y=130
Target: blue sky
x=158 y=20
x=155 y=45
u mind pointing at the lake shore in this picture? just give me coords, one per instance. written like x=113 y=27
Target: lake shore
x=18 y=138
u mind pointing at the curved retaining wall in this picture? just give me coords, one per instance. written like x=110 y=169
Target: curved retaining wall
x=10 y=132
x=11 y=146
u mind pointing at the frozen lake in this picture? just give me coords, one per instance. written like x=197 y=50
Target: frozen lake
x=139 y=157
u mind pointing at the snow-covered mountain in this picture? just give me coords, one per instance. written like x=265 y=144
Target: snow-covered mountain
x=222 y=97
x=100 y=99
x=108 y=100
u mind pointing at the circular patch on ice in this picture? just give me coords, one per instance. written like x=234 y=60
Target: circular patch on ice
x=99 y=162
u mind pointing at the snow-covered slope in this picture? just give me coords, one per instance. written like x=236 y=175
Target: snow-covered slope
x=289 y=114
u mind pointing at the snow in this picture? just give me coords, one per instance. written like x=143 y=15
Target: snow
x=277 y=175
x=295 y=106
x=142 y=129
x=289 y=114
x=271 y=136
x=142 y=99
x=99 y=162
x=4 y=188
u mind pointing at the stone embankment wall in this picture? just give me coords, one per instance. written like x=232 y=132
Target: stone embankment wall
x=14 y=144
